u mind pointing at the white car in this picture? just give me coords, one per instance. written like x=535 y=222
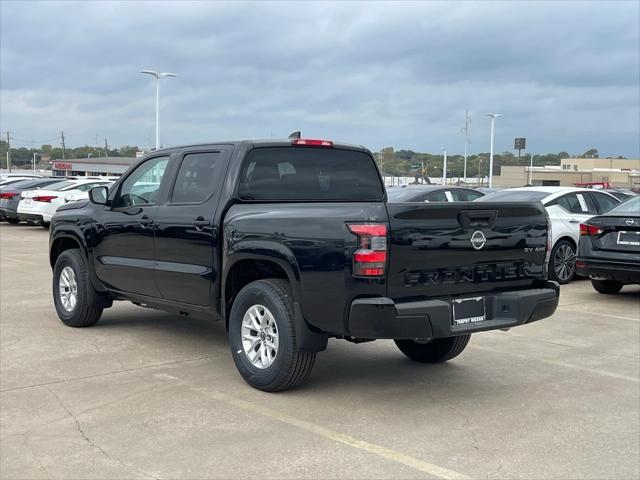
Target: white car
x=38 y=206
x=567 y=207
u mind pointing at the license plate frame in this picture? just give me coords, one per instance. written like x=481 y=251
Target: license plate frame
x=468 y=311
x=632 y=243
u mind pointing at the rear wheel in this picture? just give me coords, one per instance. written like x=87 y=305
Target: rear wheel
x=76 y=302
x=435 y=351
x=562 y=264
x=262 y=337
x=608 y=287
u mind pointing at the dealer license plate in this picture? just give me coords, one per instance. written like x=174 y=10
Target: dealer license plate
x=628 y=238
x=468 y=310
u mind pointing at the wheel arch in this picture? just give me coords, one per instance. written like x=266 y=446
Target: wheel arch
x=65 y=242
x=249 y=264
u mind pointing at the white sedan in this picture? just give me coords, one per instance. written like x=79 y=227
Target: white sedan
x=567 y=207
x=38 y=206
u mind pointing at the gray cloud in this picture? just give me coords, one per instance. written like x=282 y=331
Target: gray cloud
x=565 y=74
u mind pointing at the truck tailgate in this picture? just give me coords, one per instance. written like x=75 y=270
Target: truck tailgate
x=458 y=248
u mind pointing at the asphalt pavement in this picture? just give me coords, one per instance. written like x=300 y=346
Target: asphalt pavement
x=145 y=394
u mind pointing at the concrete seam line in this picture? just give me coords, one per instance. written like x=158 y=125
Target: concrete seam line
x=592 y=313
x=384 y=452
x=561 y=364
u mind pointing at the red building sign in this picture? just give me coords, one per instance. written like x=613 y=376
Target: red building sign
x=62 y=166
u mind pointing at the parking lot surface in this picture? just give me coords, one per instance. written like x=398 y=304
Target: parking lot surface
x=144 y=394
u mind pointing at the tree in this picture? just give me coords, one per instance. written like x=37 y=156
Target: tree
x=591 y=153
x=563 y=154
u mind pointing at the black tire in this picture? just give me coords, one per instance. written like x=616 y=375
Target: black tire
x=13 y=220
x=608 y=287
x=289 y=366
x=88 y=308
x=563 y=254
x=435 y=351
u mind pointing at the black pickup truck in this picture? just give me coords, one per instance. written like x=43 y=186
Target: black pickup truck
x=292 y=242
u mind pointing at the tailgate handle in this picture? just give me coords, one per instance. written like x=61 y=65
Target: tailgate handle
x=477 y=218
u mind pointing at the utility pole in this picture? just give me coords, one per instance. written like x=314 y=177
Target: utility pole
x=158 y=76
x=106 y=149
x=467 y=120
x=8 y=152
x=64 y=148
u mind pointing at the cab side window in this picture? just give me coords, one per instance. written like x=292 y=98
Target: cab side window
x=142 y=185
x=196 y=178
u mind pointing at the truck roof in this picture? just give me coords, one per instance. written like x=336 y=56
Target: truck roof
x=262 y=142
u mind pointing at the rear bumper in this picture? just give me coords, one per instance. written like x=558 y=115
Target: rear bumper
x=30 y=217
x=428 y=319
x=8 y=213
x=625 y=272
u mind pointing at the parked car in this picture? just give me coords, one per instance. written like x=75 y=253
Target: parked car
x=291 y=242
x=11 y=180
x=567 y=208
x=609 y=249
x=38 y=206
x=10 y=196
x=620 y=194
x=432 y=193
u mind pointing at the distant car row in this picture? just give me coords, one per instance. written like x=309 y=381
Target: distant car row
x=35 y=200
x=569 y=210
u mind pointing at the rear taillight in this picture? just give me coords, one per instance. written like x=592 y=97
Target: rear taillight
x=8 y=195
x=311 y=143
x=44 y=198
x=370 y=259
x=590 y=230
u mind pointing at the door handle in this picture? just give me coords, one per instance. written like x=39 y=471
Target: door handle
x=573 y=220
x=200 y=223
x=144 y=221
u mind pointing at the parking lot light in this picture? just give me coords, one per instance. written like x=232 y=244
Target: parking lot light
x=493 y=117
x=158 y=76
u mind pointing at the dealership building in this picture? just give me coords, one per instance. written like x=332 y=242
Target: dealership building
x=612 y=172
x=103 y=166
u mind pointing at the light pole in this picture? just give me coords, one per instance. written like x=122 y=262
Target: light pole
x=444 y=166
x=531 y=170
x=158 y=76
x=34 y=160
x=493 y=117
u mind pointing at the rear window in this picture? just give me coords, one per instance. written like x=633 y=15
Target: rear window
x=309 y=174
x=630 y=207
x=514 y=196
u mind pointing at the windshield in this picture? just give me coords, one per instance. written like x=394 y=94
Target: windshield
x=630 y=207
x=514 y=196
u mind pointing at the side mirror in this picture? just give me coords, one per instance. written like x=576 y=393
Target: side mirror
x=99 y=195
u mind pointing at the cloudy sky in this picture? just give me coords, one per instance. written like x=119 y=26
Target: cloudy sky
x=565 y=75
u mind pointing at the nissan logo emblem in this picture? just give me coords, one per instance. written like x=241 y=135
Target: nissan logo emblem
x=629 y=221
x=478 y=240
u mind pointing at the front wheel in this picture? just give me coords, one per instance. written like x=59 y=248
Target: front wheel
x=562 y=263
x=75 y=300
x=608 y=287
x=435 y=351
x=262 y=337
